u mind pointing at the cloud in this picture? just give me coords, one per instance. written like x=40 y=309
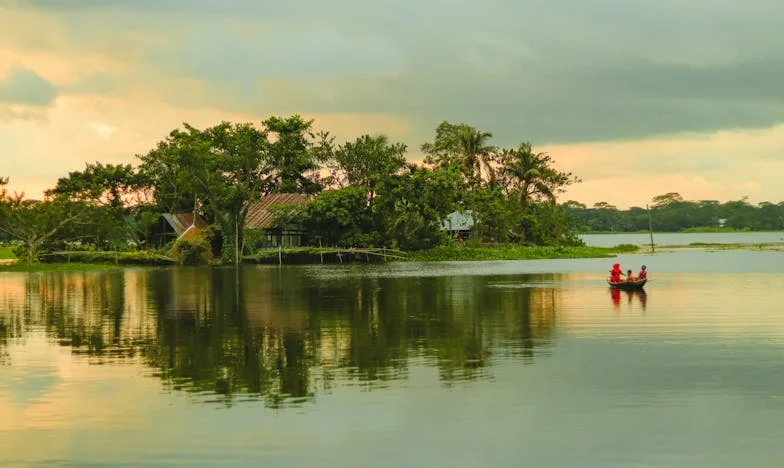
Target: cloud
x=27 y=88
x=647 y=83
x=552 y=72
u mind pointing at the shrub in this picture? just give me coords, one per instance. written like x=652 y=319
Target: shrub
x=192 y=250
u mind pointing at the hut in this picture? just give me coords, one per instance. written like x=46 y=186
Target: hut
x=261 y=223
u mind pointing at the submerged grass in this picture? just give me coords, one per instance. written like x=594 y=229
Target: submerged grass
x=47 y=267
x=510 y=252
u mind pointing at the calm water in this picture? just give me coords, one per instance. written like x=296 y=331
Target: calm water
x=679 y=239
x=491 y=364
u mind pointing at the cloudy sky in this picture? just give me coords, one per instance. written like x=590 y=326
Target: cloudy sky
x=638 y=97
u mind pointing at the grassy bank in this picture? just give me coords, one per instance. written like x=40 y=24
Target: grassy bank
x=512 y=252
x=6 y=253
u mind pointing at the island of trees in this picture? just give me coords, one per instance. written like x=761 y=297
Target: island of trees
x=671 y=213
x=362 y=194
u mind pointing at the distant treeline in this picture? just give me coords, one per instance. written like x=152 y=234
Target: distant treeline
x=671 y=213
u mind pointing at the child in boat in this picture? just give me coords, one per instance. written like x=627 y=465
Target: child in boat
x=615 y=273
x=630 y=277
x=643 y=275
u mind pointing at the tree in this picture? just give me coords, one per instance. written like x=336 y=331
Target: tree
x=35 y=223
x=365 y=160
x=532 y=175
x=293 y=155
x=340 y=217
x=219 y=171
x=119 y=203
x=465 y=144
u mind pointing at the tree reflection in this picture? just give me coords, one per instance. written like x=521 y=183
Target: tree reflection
x=282 y=335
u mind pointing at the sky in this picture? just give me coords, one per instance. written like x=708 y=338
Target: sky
x=636 y=97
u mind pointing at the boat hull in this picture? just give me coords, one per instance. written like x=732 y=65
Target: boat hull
x=628 y=286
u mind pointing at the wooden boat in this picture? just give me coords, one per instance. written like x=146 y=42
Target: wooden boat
x=628 y=285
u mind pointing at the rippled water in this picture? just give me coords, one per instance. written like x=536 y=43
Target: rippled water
x=446 y=364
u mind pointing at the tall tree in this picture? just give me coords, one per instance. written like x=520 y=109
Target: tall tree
x=464 y=144
x=220 y=170
x=294 y=155
x=532 y=175
x=121 y=207
x=365 y=160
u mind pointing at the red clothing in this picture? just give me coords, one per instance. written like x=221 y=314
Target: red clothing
x=615 y=273
x=643 y=275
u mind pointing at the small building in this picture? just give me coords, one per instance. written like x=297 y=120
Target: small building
x=173 y=226
x=459 y=224
x=261 y=218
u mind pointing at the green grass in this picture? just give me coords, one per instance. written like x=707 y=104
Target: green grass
x=46 y=267
x=511 y=252
x=7 y=253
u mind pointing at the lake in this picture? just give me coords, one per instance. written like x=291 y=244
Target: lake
x=494 y=364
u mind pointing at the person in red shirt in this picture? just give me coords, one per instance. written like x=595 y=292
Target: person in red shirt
x=615 y=273
x=643 y=274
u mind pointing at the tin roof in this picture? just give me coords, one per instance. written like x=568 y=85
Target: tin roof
x=181 y=222
x=457 y=221
x=259 y=216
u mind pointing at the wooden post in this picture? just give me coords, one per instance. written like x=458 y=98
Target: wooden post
x=280 y=254
x=236 y=241
x=650 y=228
x=321 y=252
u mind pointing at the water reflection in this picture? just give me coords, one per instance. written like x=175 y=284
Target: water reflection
x=638 y=296
x=281 y=335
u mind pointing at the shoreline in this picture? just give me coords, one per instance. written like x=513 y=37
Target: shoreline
x=308 y=256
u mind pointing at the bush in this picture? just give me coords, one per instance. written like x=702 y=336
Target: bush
x=194 y=250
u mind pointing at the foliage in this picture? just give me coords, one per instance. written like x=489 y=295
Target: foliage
x=365 y=161
x=219 y=171
x=192 y=250
x=293 y=156
x=38 y=225
x=377 y=197
x=7 y=253
x=340 y=217
x=671 y=213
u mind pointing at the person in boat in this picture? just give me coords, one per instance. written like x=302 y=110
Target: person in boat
x=643 y=274
x=616 y=273
x=630 y=277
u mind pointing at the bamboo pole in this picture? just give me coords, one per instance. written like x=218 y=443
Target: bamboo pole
x=650 y=228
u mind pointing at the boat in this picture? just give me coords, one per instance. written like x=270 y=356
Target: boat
x=628 y=285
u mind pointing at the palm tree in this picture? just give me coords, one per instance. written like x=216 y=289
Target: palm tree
x=533 y=175
x=463 y=144
x=475 y=152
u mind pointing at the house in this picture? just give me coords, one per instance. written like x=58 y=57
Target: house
x=261 y=218
x=459 y=224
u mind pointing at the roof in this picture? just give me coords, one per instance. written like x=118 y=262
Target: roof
x=457 y=221
x=259 y=216
x=181 y=222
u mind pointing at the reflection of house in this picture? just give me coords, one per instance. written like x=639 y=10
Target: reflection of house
x=261 y=218
x=175 y=226
x=459 y=223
